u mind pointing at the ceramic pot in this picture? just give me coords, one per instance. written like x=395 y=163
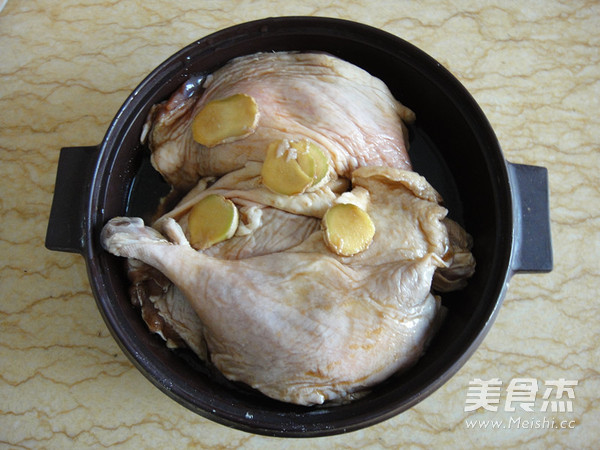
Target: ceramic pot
x=504 y=206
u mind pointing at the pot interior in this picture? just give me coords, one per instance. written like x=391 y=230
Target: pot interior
x=452 y=145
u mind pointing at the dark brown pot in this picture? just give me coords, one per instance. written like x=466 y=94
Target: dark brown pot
x=503 y=205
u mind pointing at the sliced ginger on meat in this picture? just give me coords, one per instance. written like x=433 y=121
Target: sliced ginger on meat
x=347 y=229
x=281 y=171
x=225 y=120
x=291 y=167
x=212 y=220
x=310 y=151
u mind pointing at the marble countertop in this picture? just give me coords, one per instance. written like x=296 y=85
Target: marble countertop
x=65 y=69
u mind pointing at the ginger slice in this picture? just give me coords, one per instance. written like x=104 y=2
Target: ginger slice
x=281 y=171
x=291 y=167
x=225 y=120
x=347 y=229
x=212 y=220
x=309 y=151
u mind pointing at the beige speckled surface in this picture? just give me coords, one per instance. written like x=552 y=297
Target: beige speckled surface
x=65 y=69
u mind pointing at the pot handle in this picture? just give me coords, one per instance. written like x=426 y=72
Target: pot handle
x=532 y=247
x=65 y=231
